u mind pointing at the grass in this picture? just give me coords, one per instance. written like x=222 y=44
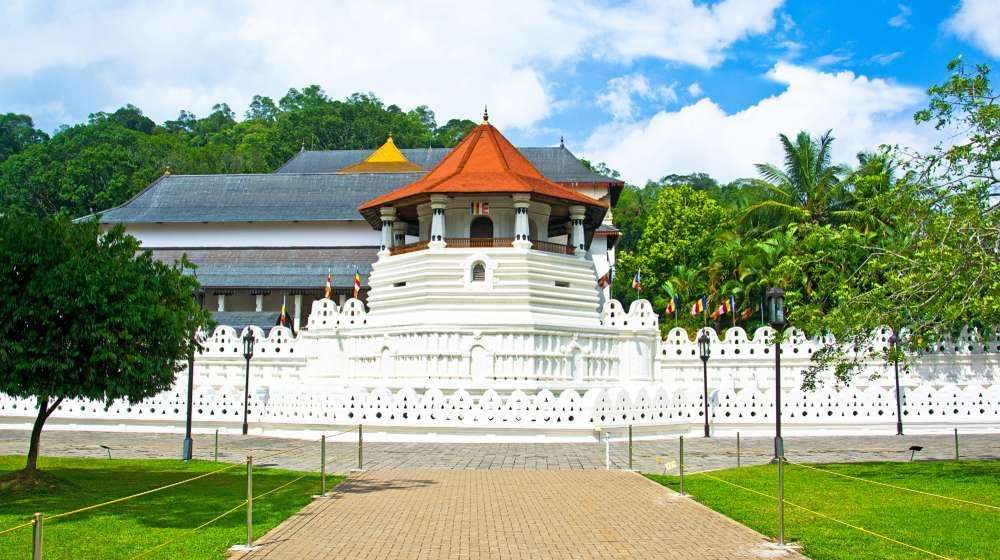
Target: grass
x=126 y=529
x=944 y=527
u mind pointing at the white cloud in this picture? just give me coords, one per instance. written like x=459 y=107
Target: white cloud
x=978 y=22
x=164 y=56
x=831 y=59
x=886 y=58
x=619 y=99
x=902 y=18
x=702 y=137
x=694 y=90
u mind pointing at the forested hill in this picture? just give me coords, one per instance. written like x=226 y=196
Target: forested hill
x=100 y=164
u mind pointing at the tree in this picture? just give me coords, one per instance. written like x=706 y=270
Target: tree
x=90 y=316
x=17 y=132
x=262 y=109
x=807 y=190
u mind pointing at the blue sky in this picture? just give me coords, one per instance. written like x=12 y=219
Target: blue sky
x=651 y=88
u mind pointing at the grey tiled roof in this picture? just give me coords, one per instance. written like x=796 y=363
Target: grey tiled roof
x=241 y=319
x=269 y=267
x=557 y=164
x=273 y=197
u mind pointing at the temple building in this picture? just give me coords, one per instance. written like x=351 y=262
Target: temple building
x=263 y=240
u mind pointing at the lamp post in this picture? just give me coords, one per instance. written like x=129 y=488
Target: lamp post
x=775 y=301
x=188 y=441
x=894 y=348
x=705 y=350
x=248 y=341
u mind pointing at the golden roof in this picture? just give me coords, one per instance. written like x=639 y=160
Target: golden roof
x=386 y=159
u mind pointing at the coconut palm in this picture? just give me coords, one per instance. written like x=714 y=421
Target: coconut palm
x=809 y=189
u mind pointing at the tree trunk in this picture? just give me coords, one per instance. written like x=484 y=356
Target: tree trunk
x=44 y=411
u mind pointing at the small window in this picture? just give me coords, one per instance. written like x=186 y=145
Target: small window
x=478 y=272
x=399 y=284
x=561 y=284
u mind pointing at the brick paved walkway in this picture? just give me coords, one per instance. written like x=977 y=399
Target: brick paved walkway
x=539 y=515
x=648 y=456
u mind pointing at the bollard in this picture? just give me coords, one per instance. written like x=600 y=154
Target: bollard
x=216 y=445
x=737 y=450
x=249 y=501
x=781 y=502
x=681 y=465
x=361 y=446
x=956 y=444
x=36 y=547
x=322 y=465
x=630 y=447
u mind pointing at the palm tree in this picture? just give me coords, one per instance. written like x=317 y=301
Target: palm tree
x=808 y=190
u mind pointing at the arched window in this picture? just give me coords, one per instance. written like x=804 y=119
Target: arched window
x=481 y=228
x=478 y=272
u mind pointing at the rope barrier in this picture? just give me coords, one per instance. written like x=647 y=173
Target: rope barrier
x=347 y=431
x=15 y=528
x=189 y=531
x=896 y=487
x=283 y=452
x=835 y=520
x=140 y=494
x=273 y=490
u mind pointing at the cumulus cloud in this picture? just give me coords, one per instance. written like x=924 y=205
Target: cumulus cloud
x=694 y=90
x=164 y=56
x=978 y=22
x=902 y=17
x=702 y=137
x=619 y=99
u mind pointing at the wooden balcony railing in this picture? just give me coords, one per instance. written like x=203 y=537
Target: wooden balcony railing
x=408 y=248
x=553 y=247
x=479 y=242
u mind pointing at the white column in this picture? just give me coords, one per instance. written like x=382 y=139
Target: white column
x=576 y=214
x=260 y=302
x=438 y=204
x=298 y=311
x=222 y=302
x=388 y=217
x=398 y=233
x=522 y=232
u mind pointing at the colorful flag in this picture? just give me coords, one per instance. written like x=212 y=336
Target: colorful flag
x=637 y=281
x=747 y=313
x=357 y=283
x=605 y=280
x=328 y=290
x=479 y=208
x=719 y=311
x=730 y=304
x=283 y=319
x=699 y=306
x=672 y=306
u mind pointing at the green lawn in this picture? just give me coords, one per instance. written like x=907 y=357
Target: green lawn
x=126 y=529
x=944 y=527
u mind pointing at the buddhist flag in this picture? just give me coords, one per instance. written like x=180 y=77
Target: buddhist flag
x=637 y=281
x=476 y=208
x=603 y=281
x=747 y=313
x=730 y=305
x=328 y=290
x=719 y=311
x=672 y=306
x=283 y=319
x=699 y=306
x=357 y=283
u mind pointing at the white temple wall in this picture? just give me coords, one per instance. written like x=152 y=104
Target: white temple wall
x=355 y=233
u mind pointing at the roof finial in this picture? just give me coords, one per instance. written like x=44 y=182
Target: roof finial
x=562 y=142
x=166 y=171
x=486 y=115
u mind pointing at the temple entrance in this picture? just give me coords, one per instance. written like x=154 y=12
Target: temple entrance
x=481 y=228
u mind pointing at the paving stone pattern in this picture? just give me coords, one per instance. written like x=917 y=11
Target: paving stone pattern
x=648 y=456
x=538 y=515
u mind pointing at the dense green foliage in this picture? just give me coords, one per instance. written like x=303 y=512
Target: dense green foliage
x=129 y=528
x=947 y=528
x=903 y=239
x=85 y=314
x=94 y=166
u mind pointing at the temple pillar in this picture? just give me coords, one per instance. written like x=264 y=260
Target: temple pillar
x=522 y=231
x=438 y=204
x=388 y=217
x=398 y=233
x=576 y=214
x=222 y=302
x=260 y=303
x=298 y=312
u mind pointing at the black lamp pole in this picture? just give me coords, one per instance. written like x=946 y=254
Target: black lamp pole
x=894 y=345
x=705 y=350
x=248 y=340
x=188 y=441
x=776 y=316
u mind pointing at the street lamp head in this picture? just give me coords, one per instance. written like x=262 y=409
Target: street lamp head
x=776 y=308
x=248 y=342
x=704 y=346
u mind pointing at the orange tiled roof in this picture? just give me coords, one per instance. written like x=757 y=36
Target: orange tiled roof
x=484 y=162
